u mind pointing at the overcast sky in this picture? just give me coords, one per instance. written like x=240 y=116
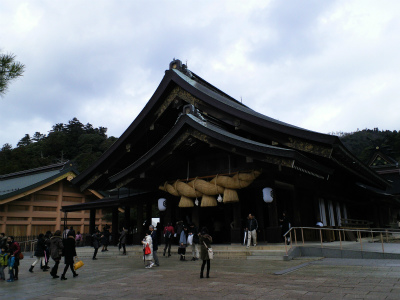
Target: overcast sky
x=325 y=66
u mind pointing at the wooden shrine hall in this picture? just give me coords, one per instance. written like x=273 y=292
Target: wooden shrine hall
x=207 y=158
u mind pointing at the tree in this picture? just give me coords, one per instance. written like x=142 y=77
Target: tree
x=25 y=141
x=38 y=136
x=9 y=70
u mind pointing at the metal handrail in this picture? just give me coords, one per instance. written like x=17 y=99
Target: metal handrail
x=28 y=245
x=341 y=233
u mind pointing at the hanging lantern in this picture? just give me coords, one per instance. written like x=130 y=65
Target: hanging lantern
x=162 y=204
x=196 y=202
x=268 y=195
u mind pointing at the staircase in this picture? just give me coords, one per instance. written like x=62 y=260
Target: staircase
x=260 y=252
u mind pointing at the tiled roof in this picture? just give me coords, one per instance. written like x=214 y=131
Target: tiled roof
x=17 y=183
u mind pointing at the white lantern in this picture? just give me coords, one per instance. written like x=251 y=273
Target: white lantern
x=162 y=204
x=268 y=195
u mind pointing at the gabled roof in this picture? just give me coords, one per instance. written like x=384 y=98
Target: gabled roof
x=180 y=84
x=16 y=185
x=190 y=125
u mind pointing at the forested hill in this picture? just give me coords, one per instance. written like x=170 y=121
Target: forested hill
x=363 y=143
x=84 y=144
x=72 y=141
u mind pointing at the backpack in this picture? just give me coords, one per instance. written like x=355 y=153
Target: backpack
x=168 y=234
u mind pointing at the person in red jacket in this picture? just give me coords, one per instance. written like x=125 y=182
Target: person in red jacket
x=14 y=247
x=168 y=235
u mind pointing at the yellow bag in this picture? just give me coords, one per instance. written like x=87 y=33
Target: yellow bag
x=78 y=264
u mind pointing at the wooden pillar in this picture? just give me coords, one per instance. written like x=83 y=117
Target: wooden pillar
x=195 y=215
x=4 y=226
x=92 y=221
x=167 y=216
x=260 y=218
x=114 y=225
x=127 y=217
x=237 y=226
x=59 y=226
x=149 y=213
x=82 y=213
x=29 y=228
x=139 y=217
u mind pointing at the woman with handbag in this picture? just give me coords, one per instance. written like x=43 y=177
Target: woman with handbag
x=148 y=250
x=205 y=241
x=69 y=252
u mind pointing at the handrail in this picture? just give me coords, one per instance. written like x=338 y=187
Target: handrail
x=28 y=245
x=381 y=232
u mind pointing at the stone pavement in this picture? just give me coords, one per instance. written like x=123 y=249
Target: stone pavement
x=126 y=278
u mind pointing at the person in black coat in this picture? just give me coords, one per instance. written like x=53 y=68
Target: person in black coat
x=47 y=237
x=69 y=253
x=96 y=242
x=39 y=253
x=106 y=238
x=122 y=240
x=155 y=245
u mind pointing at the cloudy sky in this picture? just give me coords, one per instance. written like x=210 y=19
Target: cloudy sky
x=326 y=66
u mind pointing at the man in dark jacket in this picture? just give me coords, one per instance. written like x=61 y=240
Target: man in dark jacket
x=168 y=235
x=251 y=228
x=14 y=247
x=155 y=245
x=56 y=247
x=122 y=240
x=3 y=240
x=96 y=242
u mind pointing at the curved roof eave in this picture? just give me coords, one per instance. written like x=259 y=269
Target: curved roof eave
x=223 y=137
x=142 y=115
x=243 y=112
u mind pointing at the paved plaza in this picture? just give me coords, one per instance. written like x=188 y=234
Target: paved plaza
x=124 y=277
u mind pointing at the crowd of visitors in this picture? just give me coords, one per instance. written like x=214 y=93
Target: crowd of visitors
x=63 y=244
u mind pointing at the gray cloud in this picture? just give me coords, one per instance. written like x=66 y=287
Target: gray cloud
x=323 y=66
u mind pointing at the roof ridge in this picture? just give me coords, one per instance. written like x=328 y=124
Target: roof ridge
x=35 y=170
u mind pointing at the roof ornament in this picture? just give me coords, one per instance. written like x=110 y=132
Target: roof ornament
x=176 y=64
x=190 y=109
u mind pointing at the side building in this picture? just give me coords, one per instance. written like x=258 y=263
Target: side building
x=30 y=201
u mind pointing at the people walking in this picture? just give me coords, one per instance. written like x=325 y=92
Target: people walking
x=3 y=240
x=205 y=241
x=69 y=252
x=285 y=225
x=169 y=233
x=3 y=261
x=96 y=242
x=47 y=237
x=78 y=239
x=15 y=250
x=39 y=253
x=148 y=258
x=193 y=241
x=56 y=247
x=10 y=266
x=182 y=243
x=251 y=228
x=122 y=240
x=105 y=238
x=154 y=239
